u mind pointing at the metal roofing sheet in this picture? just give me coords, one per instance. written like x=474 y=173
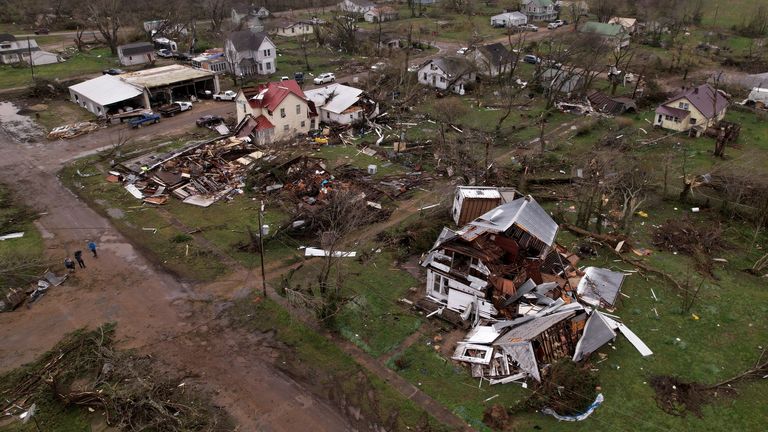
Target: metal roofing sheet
x=533 y=328
x=479 y=192
x=597 y=332
x=524 y=212
x=335 y=98
x=600 y=285
x=165 y=75
x=106 y=90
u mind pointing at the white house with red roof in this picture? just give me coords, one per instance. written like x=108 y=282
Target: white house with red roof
x=278 y=111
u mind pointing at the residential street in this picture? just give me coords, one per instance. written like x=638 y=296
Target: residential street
x=174 y=322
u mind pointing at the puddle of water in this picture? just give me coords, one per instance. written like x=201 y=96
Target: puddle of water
x=21 y=128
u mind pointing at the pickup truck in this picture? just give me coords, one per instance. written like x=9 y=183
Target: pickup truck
x=146 y=118
x=228 y=95
x=555 y=24
x=172 y=108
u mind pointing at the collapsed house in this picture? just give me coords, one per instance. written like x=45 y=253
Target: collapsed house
x=200 y=173
x=528 y=303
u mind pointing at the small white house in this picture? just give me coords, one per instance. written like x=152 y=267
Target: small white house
x=356 y=6
x=509 y=19
x=447 y=73
x=293 y=28
x=337 y=103
x=136 y=53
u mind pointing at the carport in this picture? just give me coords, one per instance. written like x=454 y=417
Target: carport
x=171 y=83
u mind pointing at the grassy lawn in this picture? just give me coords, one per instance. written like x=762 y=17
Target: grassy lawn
x=146 y=226
x=373 y=320
x=25 y=253
x=328 y=369
x=61 y=112
x=91 y=62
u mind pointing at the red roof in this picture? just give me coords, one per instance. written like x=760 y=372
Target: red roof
x=263 y=123
x=269 y=96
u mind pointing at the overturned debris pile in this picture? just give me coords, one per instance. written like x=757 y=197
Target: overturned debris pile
x=528 y=303
x=199 y=174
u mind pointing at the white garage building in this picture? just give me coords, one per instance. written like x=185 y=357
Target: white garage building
x=106 y=94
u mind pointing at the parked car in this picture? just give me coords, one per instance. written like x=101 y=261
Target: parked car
x=172 y=108
x=42 y=31
x=555 y=24
x=284 y=78
x=299 y=77
x=529 y=27
x=462 y=51
x=323 y=78
x=145 y=118
x=228 y=95
x=182 y=56
x=532 y=59
x=414 y=68
x=208 y=121
x=112 y=71
x=165 y=53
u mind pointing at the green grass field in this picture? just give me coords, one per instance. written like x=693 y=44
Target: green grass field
x=91 y=62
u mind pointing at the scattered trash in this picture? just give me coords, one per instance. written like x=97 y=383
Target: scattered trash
x=12 y=236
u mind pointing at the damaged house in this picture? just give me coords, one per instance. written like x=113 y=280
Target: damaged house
x=341 y=104
x=277 y=111
x=447 y=73
x=527 y=303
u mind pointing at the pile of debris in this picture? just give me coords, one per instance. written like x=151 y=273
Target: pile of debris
x=526 y=300
x=16 y=297
x=199 y=174
x=72 y=130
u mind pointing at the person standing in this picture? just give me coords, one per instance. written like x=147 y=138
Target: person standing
x=79 y=259
x=69 y=264
x=92 y=248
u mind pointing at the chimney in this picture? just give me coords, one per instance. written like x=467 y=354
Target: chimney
x=696 y=90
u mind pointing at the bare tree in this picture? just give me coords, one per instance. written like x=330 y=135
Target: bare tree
x=604 y=9
x=105 y=16
x=217 y=11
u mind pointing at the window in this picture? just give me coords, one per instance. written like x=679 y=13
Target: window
x=440 y=284
x=682 y=105
x=693 y=121
x=282 y=112
x=293 y=30
x=425 y=76
x=285 y=128
x=267 y=52
x=351 y=117
x=298 y=109
x=303 y=123
x=442 y=79
x=269 y=66
x=327 y=114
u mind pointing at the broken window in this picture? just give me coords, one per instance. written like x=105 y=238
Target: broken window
x=440 y=284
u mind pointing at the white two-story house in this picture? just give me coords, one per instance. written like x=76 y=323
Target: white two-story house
x=538 y=10
x=250 y=53
x=278 y=111
x=447 y=73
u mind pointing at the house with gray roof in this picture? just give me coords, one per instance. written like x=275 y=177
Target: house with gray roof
x=16 y=51
x=356 y=6
x=136 y=53
x=250 y=53
x=492 y=59
x=695 y=108
x=447 y=73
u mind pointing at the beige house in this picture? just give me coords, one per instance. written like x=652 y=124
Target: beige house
x=287 y=28
x=629 y=24
x=280 y=110
x=696 y=108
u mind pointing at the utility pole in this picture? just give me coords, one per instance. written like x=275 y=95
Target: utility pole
x=31 y=63
x=261 y=250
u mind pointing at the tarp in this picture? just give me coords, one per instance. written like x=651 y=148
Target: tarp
x=574 y=418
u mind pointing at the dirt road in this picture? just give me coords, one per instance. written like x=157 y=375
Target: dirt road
x=175 y=322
